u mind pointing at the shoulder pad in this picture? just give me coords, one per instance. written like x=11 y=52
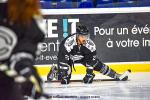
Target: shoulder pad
x=70 y=43
x=90 y=45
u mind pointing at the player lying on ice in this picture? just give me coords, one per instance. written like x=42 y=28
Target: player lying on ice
x=79 y=48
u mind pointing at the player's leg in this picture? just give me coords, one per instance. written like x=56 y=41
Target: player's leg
x=106 y=70
x=65 y=71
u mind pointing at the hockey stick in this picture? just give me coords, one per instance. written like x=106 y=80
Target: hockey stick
x=96 y=80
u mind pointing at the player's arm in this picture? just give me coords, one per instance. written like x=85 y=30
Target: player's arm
x=22 y=60
x=91 y=61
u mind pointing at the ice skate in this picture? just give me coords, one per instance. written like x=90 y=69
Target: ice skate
x=52 y=74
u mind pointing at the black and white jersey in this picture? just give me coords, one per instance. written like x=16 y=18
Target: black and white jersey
x=69 y=50
x=16 y=38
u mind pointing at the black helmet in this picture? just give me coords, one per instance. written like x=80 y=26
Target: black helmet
x=82 y=30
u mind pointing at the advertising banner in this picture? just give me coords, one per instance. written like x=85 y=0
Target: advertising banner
x=119 y=37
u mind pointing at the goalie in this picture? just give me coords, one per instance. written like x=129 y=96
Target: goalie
x=79 y=48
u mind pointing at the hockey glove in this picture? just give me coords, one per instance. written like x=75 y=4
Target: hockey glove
x=32 y=88
x=65 y=78
x=88 y=78
x=22 y=63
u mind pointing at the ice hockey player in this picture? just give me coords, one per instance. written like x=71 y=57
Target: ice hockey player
x=19 y=37
x=79 y=48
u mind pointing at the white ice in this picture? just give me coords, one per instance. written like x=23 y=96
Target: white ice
x=137 y=88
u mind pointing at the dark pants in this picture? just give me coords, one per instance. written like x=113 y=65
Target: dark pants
x=9 y=90
x=98 y=65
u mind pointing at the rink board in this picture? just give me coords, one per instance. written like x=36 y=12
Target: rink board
x=129 y=38
x=135 y=58
x=119 y=67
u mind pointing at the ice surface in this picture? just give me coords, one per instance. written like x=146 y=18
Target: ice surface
x=137 y=88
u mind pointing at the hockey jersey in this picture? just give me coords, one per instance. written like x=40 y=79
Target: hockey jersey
x=16 y=37
x=70 y=50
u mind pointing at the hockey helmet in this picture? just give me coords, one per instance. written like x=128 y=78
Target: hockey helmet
x=82 y=30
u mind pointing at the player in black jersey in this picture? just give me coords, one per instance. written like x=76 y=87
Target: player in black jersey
x=20 y=34
x=79 y=48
